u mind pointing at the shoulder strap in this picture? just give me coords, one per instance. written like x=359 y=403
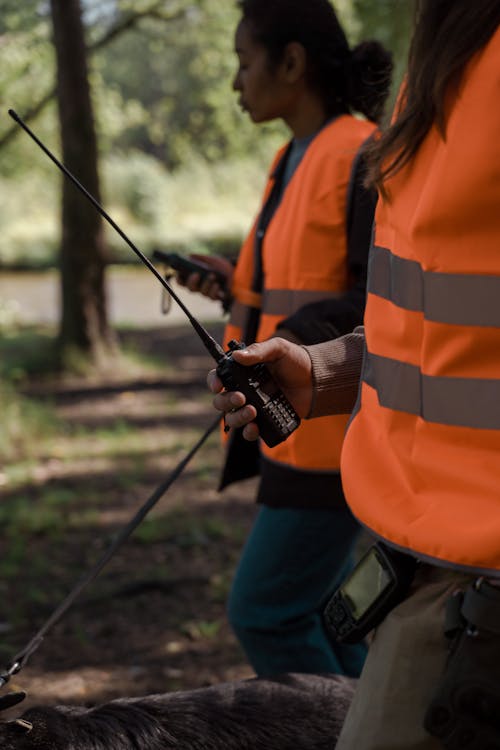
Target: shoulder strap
x=265 y=216
x=356 y=168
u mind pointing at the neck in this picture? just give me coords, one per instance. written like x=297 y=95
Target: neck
x=307 y=117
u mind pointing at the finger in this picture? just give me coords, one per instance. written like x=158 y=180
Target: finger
x=265 y=351
x=251 y=432
x=216 y=291
x=214 y=382
x=210 y=287
x=228 y=402
x=240 y=417
x=205 y=285
x=193 y=282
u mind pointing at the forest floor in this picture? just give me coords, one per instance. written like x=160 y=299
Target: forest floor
x=154 y=619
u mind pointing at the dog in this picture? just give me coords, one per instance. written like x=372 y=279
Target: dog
x=289 y=712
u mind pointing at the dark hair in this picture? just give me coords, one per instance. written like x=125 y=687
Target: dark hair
x=348 y=80
x=447 y=33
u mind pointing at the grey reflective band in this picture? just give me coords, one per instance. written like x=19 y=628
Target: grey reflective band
x=287 y=301
x=460 y=402
x=239 y=314
x=395 y=279
x=451 y=298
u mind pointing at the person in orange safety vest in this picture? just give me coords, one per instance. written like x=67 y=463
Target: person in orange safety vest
x=301 y=273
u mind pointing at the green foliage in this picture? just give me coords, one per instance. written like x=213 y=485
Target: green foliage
x=29 y=213
x=180 y=84
x=198 y=207
x=18 y=16
x=182 y=166
x=26 y=73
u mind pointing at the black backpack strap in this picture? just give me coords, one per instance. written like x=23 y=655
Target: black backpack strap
x=359 y=198
x=265 y=216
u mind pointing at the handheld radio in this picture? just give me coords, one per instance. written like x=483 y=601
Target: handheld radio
x=276 y=418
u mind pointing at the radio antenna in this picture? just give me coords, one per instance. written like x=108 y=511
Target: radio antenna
x=216 y=351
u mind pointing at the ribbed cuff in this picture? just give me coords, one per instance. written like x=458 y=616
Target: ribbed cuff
x=336 y=369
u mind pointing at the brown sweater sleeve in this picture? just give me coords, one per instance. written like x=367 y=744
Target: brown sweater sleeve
x=336 y=369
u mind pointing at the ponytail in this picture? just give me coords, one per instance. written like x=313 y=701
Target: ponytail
x=368 y=78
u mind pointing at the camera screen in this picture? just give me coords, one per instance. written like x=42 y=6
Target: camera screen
x=365 y=584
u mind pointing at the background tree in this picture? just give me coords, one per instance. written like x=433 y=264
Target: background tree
x=84 y=322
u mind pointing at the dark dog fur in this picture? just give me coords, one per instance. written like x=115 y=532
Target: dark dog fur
x=291 y=712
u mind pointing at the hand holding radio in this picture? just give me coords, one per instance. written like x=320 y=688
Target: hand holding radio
x=290 y=367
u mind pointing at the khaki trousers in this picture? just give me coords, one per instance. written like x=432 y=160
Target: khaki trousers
x=405 y=661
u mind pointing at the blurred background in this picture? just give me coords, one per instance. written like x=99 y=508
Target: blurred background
x=100 y=394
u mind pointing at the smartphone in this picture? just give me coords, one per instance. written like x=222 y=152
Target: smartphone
x=186 y=266
x=379 y=581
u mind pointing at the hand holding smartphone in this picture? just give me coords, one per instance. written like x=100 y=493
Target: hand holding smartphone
x=186 y=266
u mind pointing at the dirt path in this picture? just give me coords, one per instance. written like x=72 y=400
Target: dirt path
x=155 y=619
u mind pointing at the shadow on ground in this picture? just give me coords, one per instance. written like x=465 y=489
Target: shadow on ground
x=154 y=620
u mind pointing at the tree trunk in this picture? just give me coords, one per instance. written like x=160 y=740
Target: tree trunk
x=84 y=328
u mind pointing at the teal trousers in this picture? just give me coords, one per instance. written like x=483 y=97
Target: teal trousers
x=292 y=561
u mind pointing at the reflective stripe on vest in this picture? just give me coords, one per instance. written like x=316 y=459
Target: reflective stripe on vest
x=450 y=299
x=458 y=299
x=304 y=257
x=421 y=459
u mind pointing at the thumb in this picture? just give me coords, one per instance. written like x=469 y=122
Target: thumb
x=265 y=351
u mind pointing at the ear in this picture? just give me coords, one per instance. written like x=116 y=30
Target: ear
x=294 y=61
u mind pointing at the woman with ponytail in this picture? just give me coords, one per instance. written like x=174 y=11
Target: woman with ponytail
x=300 y=274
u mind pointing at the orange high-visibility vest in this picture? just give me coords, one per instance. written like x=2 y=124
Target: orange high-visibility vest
x=421 y=459
x=304 y=259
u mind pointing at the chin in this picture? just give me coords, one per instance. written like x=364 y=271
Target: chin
x=255 y=117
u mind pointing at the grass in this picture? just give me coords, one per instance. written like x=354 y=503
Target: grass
x=73 y=471
x=24 y=424
x=33 y=433
x=179 y=526
x=37 y=443
x=29 y=355
x=201 y=629
x=26 y=352
x=23 y=353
